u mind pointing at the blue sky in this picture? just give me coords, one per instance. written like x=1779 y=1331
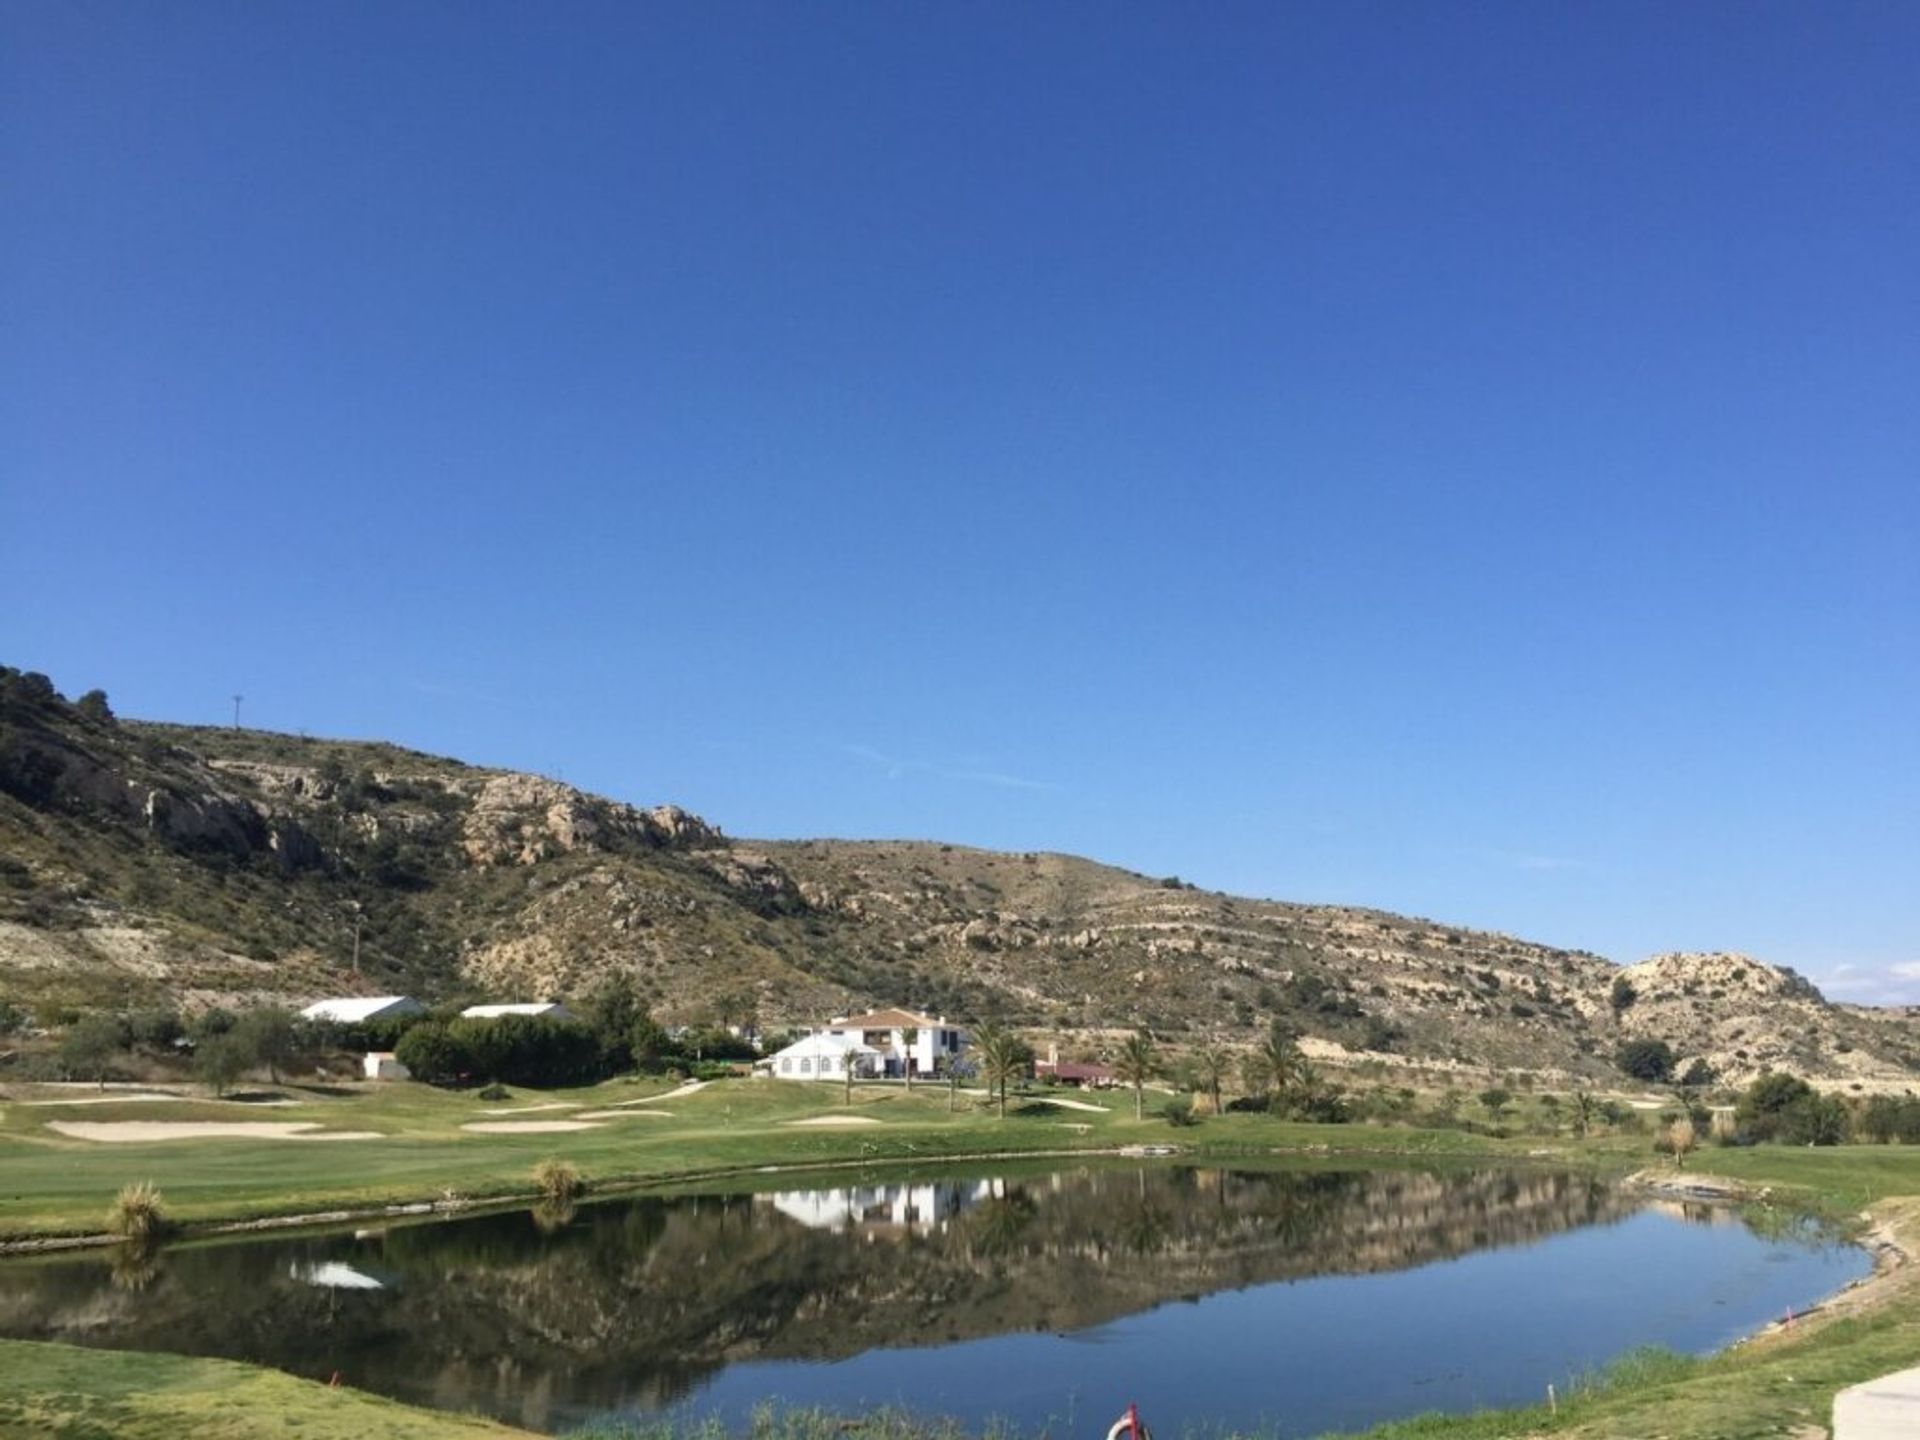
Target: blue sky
x=1460 y=459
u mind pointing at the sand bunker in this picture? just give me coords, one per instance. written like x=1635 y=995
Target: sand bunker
x=534 y=1109
x=621 y=1114
x=527 y=1127
x=836 y=1121
x=123 y=1132
x=1066 y=1104
x=107 y=1100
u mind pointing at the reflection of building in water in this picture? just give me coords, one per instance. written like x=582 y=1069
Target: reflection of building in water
x=1695 y=1212
x=333 y=1275
x=906 y=1207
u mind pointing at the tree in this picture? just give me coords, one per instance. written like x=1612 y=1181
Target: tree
x=221 y=1060
x=88 y=1051
x=1211 y=1066
x=1650 y=1060
x=999 y=1059
x=1496 y=1099
x=959 y=1069
x=1137 y=1063
x=648 y=1042
x=1680 y=1138
x=614 y=1011
x=910 y=1037
x=1583 y=1109
x=1275 y=1064
x=847 y=1062
x=93 y=706
x=269 y=1037
x=1621 y=996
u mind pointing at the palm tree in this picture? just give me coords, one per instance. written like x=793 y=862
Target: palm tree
x=846 y=1059
x=999 y=1059
x=910 y=1037
x=1583 y=1109
x=1211 y=1066
x=1279 y=1063
x=1138 y=1063
x=958 y=1068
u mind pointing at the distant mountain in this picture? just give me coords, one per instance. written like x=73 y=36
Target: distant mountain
x=142 y=863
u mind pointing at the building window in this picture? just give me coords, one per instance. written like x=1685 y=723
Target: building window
x=806 y=1067
x=786 y=1066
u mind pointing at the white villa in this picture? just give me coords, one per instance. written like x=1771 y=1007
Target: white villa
x=876 y=1045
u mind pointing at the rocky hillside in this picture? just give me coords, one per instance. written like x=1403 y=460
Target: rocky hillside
x=142 y=863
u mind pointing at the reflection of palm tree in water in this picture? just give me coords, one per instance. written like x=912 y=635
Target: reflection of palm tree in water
x=133 y=1265
x=995 y=1227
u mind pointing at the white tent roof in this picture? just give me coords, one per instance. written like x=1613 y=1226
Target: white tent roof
x=814 y=1046
x=353 y=1009
x=537 y=1007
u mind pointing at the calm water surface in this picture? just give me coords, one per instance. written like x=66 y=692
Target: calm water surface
x=1296 y=1300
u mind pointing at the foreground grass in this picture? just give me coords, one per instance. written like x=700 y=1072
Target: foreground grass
x=75 y=1394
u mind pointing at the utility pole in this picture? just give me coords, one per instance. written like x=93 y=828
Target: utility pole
x=236 y=710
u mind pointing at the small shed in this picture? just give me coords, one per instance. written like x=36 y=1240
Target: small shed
x=384 y=1065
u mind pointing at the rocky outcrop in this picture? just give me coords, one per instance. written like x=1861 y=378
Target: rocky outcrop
x=520 y=819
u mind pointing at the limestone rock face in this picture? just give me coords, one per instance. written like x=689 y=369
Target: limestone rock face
x=756 y=875
x=524 y=819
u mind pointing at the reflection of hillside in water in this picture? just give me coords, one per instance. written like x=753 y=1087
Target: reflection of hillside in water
x=634 y=1302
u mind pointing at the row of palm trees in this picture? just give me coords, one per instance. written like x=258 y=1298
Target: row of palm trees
x=1274 y=1068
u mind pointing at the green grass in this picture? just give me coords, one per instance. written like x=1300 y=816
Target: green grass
x=52 y=1184
x=74 y=1394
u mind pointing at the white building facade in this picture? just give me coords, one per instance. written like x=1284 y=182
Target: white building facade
x=883 y=1044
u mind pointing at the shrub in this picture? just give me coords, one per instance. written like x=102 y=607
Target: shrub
x=156 y=1029
x=431 y=1054
x=558 y=1180
x=1786 y=1109
x=136 y=1213
x=1645 y=1059
x=1179 y=1111
x=1622 y=995
x=496 y=1092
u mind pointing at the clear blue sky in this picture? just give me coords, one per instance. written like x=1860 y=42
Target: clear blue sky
x=1457 y=458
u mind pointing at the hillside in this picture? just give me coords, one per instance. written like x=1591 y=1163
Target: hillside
x=143 y=862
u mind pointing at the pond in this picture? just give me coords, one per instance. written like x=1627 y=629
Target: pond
x=1295 y=1300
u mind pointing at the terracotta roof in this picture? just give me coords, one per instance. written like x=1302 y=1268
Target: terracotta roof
x=888 y=1020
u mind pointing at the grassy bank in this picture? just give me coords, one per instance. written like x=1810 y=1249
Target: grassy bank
x=63 y=1391
x=418 y=1148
